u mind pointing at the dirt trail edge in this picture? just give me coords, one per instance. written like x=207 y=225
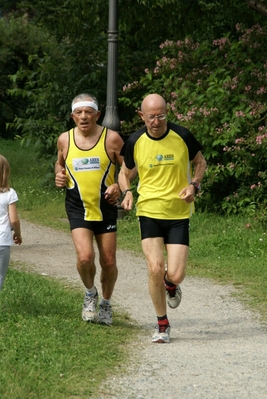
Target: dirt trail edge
x=218 y=348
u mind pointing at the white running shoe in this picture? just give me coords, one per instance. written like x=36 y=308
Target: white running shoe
x=105 y=315
x=174 y=296
x=162 y=334
x=89 y=307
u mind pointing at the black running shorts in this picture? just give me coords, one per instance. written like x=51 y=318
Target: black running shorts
x=172 y=231
x=102 y=227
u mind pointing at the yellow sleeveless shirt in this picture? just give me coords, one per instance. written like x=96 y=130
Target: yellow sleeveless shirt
x=90 y=172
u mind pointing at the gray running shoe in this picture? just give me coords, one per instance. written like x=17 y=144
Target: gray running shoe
x=161 y=335
x=89 y=307
x=174 y=296
x=105 y=315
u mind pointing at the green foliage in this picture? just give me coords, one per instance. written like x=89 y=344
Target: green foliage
x=69 y=54
x=76 y=20
x=49 y=89
x=218 y=91
x=17 y=40
x=44 y=88
x=200 y=19
x=62 y=64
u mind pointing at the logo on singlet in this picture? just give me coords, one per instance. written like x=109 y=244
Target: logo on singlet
x=85 y=164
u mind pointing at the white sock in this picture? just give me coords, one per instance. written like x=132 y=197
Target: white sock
x=91 y=291
x=105 y=302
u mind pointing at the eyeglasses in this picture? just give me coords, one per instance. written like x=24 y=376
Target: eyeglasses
x=160 y=117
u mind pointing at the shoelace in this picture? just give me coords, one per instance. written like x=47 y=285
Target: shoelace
x=90 y=302
x=105 y=309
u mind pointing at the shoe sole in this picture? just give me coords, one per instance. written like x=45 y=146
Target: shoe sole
x=93 y=320
x=104 y=322
x=160 y=341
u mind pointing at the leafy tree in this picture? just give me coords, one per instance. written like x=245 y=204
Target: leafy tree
x=76 y=58
x=49 y=89
x=218 y=90
x=18 y=39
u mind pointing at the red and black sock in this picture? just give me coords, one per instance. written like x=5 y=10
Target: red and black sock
x=163 y=323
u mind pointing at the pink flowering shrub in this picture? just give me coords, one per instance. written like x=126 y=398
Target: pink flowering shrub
x=218 y=91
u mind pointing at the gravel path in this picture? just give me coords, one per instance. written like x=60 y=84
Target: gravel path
x=218 y=348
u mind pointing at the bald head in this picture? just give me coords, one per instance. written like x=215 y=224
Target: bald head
x=153 y=103
x=154 y=113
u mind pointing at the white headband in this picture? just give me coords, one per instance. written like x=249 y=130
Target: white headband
x=84 y=104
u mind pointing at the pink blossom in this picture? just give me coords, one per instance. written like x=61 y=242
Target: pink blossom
x=166 y=44
x=221 y=42
x=260 y=138
x=261 y=90
x=240 y=113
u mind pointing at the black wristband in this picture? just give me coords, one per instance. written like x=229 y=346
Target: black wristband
x=124 y=193
x=196 y=185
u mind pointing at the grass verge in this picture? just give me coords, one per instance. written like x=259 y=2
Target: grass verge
x=45 y=350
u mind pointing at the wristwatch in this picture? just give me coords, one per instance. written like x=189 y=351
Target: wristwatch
x=124 y=193
x=196 y=185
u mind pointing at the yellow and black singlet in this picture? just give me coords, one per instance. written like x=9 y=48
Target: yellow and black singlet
x=164 y=169
x=90 y=172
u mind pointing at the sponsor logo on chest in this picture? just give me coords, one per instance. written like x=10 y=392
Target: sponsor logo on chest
x=86 y=164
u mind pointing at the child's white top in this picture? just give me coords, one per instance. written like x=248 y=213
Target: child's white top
x=7 y=198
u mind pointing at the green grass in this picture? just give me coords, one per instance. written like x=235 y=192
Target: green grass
x=231 y=250
x=47 y=348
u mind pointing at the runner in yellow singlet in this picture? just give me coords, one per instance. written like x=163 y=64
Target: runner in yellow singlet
x=85 y=165
x=163 y=153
